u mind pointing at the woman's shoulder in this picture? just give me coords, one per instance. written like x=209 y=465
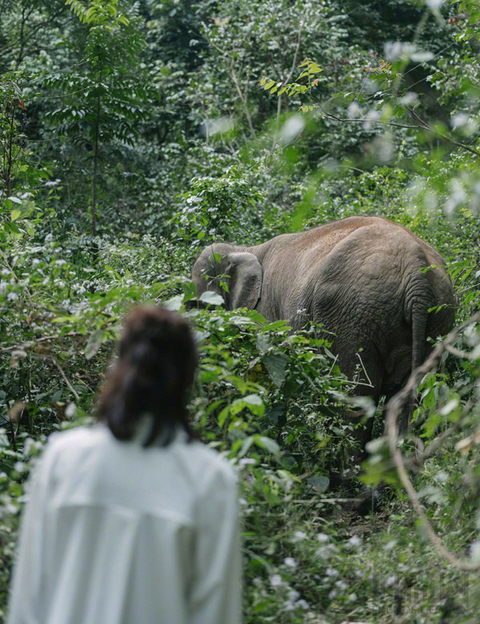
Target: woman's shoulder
x=206 y=462
x=75 y=439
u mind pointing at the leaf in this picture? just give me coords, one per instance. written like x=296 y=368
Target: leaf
x=319 y=483
x=246 y=444
x=94 y=343
x=16 y=410
x=263 y=343
x=268 y=444
x=212 y=298
x=252 y=402
x=276 y=364
x=190 y=291
x=449 y=407
x=175 y=303
x=15 y=214
x=16 y=356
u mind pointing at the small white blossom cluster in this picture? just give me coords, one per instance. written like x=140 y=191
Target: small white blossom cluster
x=294 y=600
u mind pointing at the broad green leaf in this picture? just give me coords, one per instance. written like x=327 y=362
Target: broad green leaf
x=276 y=365
x=190 y=291
x=212 y=298
x=319 y=483
x=175 y=303
x=268 y=444
x=95 y=341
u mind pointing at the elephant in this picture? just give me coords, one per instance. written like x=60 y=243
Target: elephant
x=368 y=280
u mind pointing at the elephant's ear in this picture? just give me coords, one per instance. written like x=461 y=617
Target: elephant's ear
x=245 y=280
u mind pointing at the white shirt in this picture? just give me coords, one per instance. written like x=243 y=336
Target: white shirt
x=117 y=534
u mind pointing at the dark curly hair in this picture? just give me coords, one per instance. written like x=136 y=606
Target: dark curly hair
x=153 y=375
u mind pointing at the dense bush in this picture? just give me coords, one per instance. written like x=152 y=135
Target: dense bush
x=137 y=134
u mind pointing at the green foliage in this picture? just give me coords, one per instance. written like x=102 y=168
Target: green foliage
x=192 y=122
x=100 y=13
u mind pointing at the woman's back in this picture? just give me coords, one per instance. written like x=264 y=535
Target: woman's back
x=121 y=534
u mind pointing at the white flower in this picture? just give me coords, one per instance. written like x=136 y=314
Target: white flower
x=245 y=461
x=303 y=604
x=3 y=288
x=332 y=594
x=371 y=117
x=293 y=595
x=70 y=410
x=332 y=572
x=276 y=580
x=291 y=129
x=354 y=541
x=322 y=537
x=299 y=536
x=35 y=261
x=193 y=199
x=391 y=580
x=48 y=238
x=353 y=111
x=341 y=585
x=397 y=50
x=459 y=120
x=12 y=296
x=325 y=552
x=475 y=552
x=290 y=562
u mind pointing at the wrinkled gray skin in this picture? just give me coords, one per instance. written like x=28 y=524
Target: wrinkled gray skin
x=361 y=277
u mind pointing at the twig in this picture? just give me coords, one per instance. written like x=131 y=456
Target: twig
x=393 y=409
x=285 y=82
x=370 y=121
x=30 y=343
x=365 y=371
x=459 y=353
x=62 y=373
x=243 y=97
x=442 y=135
x=315 y=501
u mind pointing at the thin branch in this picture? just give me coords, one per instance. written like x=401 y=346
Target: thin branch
x=459 y=353
x=370 y=121
x=442 y=135
x=62 y=373
x=30 y=343
x=243 y=97
x=394 y=408
x=285 y=82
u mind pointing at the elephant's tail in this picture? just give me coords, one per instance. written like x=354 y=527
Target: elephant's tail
x=419 y=335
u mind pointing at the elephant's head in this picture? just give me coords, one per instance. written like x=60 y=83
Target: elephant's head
x=240 y=271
